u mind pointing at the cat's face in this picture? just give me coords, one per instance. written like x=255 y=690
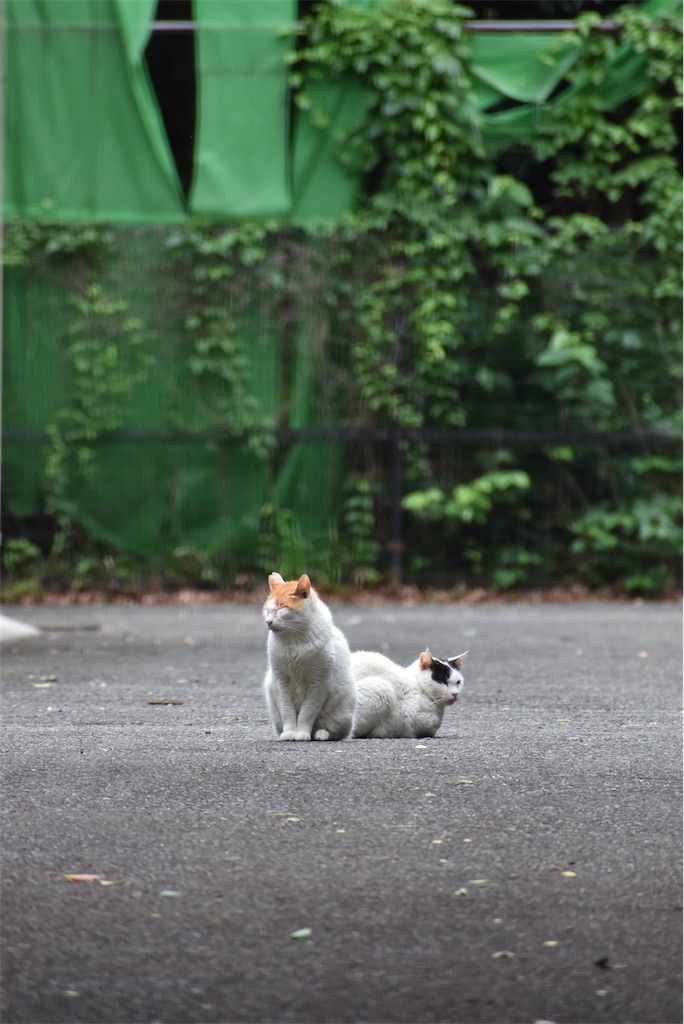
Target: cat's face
x=286 y=602
x=442 y=679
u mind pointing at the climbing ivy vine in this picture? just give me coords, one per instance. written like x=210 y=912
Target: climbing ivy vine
x=106 y=357
x=415 y=232
x=221 y=268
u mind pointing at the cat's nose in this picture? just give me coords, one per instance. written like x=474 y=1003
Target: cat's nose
x=269 y=621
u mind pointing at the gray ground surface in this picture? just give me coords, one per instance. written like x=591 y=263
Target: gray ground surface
x=522 y=866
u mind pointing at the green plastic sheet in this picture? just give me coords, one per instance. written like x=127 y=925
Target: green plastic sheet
x=135 y=20
x=523 y=66
x=324 y=187
x=532 y=77
x=241 y=158
x=84 y=138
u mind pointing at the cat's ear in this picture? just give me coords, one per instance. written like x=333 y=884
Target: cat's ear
x=303 y=586
x=275 y=577
x=456 y=662
x=425 y=660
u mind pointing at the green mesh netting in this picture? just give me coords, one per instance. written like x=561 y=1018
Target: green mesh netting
x=167 y=477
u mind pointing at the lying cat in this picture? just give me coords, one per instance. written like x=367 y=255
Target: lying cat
x=396 y=701
x=310 y=689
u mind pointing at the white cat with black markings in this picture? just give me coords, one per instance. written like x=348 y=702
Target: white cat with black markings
x=310 y=688
x=392 y=701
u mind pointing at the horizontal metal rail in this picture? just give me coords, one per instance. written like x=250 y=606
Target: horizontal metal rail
x=394 y=439
x=192 y=26
x=536 y=26
x=470 y=26
x=465 y=437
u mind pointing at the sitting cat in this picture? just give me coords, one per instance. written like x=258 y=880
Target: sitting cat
x=396 y=701
x=310 y=689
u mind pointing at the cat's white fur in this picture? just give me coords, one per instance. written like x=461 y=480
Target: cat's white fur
x=393 y=701
x=309 y=685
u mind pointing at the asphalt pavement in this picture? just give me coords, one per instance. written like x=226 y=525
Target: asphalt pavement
x=522 y=866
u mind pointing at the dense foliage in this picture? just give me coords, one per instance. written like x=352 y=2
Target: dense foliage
x=533 y=293
x=486 y=307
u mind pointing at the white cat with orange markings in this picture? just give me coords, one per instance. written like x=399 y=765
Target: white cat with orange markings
x=310 y=688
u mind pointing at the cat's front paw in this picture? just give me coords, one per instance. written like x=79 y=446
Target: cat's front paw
x=288 y=734
x=321 y=734
x=302 y=735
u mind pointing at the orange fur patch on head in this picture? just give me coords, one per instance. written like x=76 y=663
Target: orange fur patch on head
x=289 y=593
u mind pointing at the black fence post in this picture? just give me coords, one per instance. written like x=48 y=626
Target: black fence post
x=396 y=542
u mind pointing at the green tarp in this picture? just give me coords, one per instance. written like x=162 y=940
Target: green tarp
x=523 y=66
x=135 y=20
x=324 y=187
x=529 y=68
x=84 y=138
x=241 y=155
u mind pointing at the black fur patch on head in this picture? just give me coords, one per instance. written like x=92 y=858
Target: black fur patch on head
x=440 y=671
